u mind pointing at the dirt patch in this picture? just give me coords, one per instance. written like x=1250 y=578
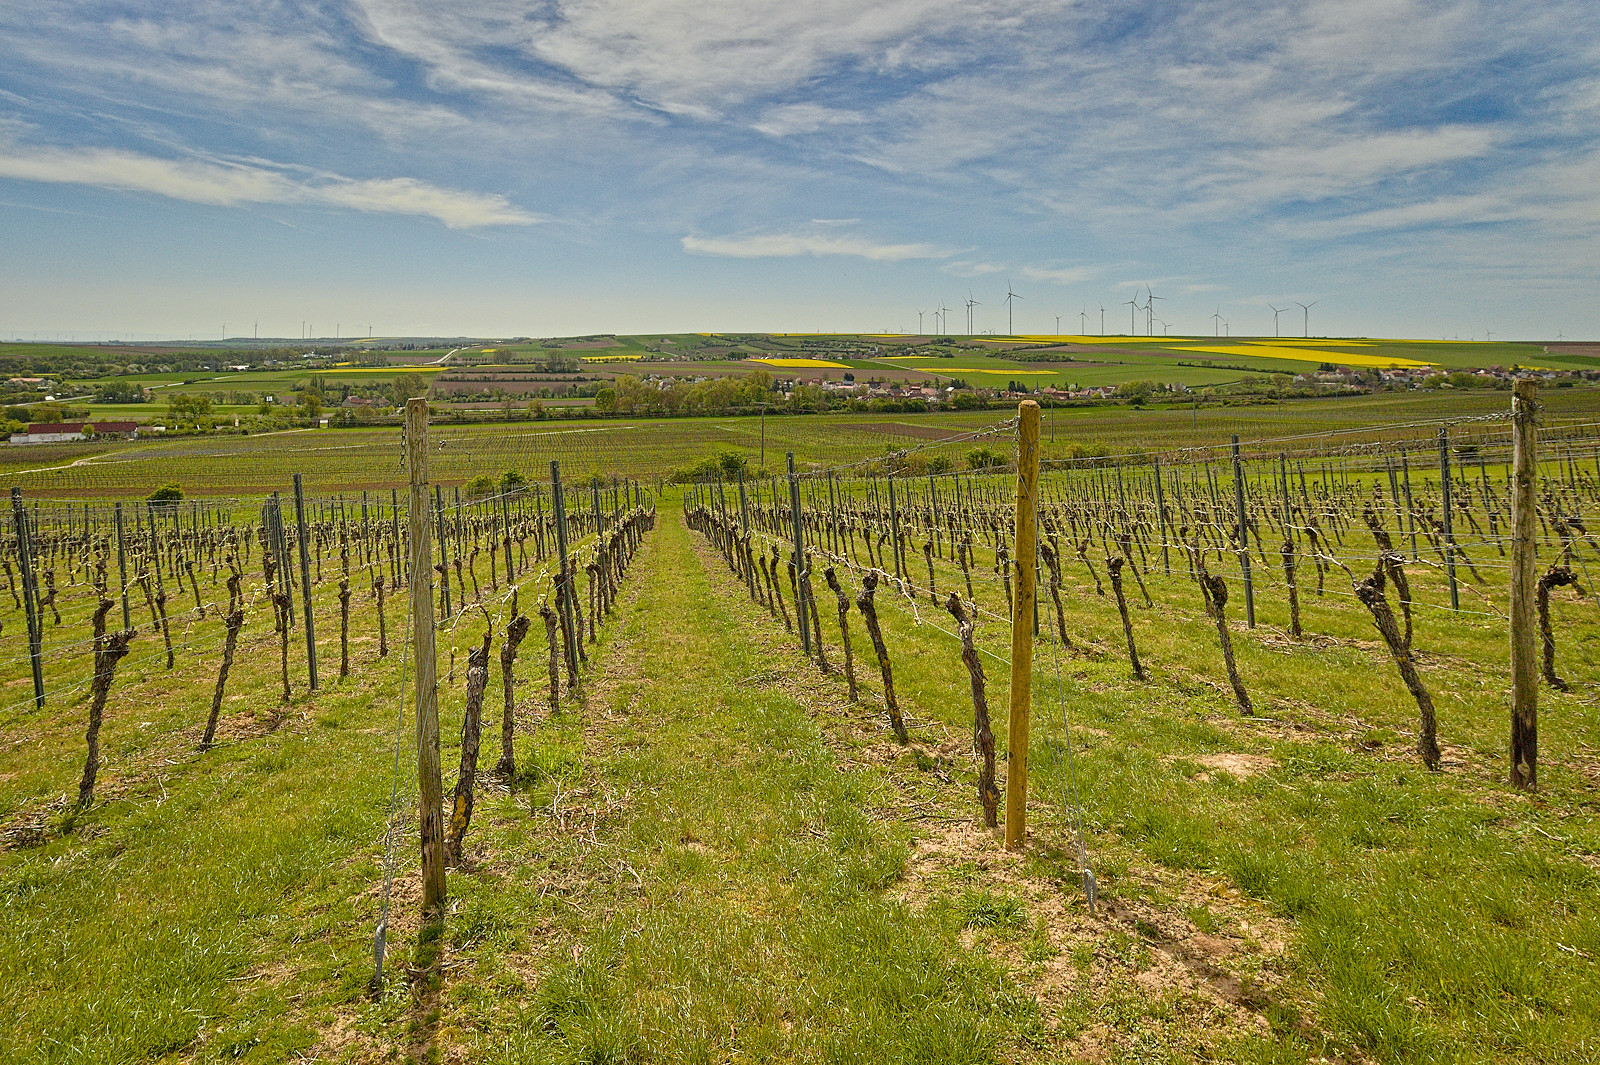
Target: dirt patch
x=1240 y=766
x=1141 y=942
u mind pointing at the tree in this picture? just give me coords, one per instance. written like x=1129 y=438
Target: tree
x=481 y=487
x=119 y=392
x=606 y=400
x=512 y=481
x=406 y=385
x=168 y=495
x=311 y=403
x=188 y=407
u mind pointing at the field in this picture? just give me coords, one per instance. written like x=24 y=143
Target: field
x=708 y=850
x=464 y=370
x=333 y=460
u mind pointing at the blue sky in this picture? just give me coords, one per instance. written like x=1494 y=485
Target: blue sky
x=515 y=167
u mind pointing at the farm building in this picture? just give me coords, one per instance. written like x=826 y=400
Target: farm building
x=63 y=432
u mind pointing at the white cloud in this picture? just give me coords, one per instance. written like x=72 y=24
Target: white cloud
x=788 y=245
x=804 y=118
x=229 y=184
x=1071 y=275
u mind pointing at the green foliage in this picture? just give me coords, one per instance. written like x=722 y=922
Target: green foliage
x=481 y=487
x=120 y=391
x=188 y=408
x=165 y=495
x=981 y=458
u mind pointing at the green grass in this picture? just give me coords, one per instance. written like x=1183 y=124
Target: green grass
x=714 y=856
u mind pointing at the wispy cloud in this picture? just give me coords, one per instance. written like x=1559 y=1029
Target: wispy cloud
x=229 y=184
x=1067 y=275
x=786 y=245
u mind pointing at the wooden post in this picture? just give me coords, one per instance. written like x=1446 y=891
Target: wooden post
x=1022 y=607
x=305 y=579
x=30 y=601
x=1524 y=663
x=122 y=568
x=799 y=557
x=1161 y=520
x=430 y=782
x=1244 y=537
x=558 y=506
x=1449 y=537
x=444 y=551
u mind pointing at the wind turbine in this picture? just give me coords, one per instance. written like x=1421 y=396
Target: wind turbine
x=1058 y=325
x=1216 y=321
x=1307 y=308
x=1083 y=321
x=944 y=319
x=971 y=303
x=1009 y=297
x=919 y=322
x=1133 y=305
x=1275 y=312
x=1102 y=318
x=1150 y=307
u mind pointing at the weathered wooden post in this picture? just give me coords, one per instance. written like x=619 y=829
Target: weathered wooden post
x=30 y=600
x=799 y=555
x=305 y=579
x=430 y=782
x=1244 y=537
x=1022 y=607
x=122 y=568
x=1524 y=664
x=1449 y=537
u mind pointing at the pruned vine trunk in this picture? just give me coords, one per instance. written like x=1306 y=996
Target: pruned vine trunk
x=1115 y=566
x=515 y=631
x=1555 y=577
x=471 y=728
x=844 y=630
x=109 y=649
x=869 y=611
x=982 y=733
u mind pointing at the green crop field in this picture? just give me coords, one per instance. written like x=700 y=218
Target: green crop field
x=708 y=849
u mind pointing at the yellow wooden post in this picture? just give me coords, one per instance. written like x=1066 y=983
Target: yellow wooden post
x=430 y=784
x=1027 y=542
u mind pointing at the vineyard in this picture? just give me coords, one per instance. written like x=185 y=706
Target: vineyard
x=653 y=450
x=754 y=758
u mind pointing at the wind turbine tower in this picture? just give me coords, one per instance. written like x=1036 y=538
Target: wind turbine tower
x=1275 y=312
x=1083 y=321
x=971 y=303
x=1216 y=321
x=919 y=322
x=1133 y=305
x=1010 y=331
x=1307 y=308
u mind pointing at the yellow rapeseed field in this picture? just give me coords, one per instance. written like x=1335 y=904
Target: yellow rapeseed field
x=803 y=364
x=1303 y=353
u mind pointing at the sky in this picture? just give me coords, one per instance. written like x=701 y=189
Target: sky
x=498 y=168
